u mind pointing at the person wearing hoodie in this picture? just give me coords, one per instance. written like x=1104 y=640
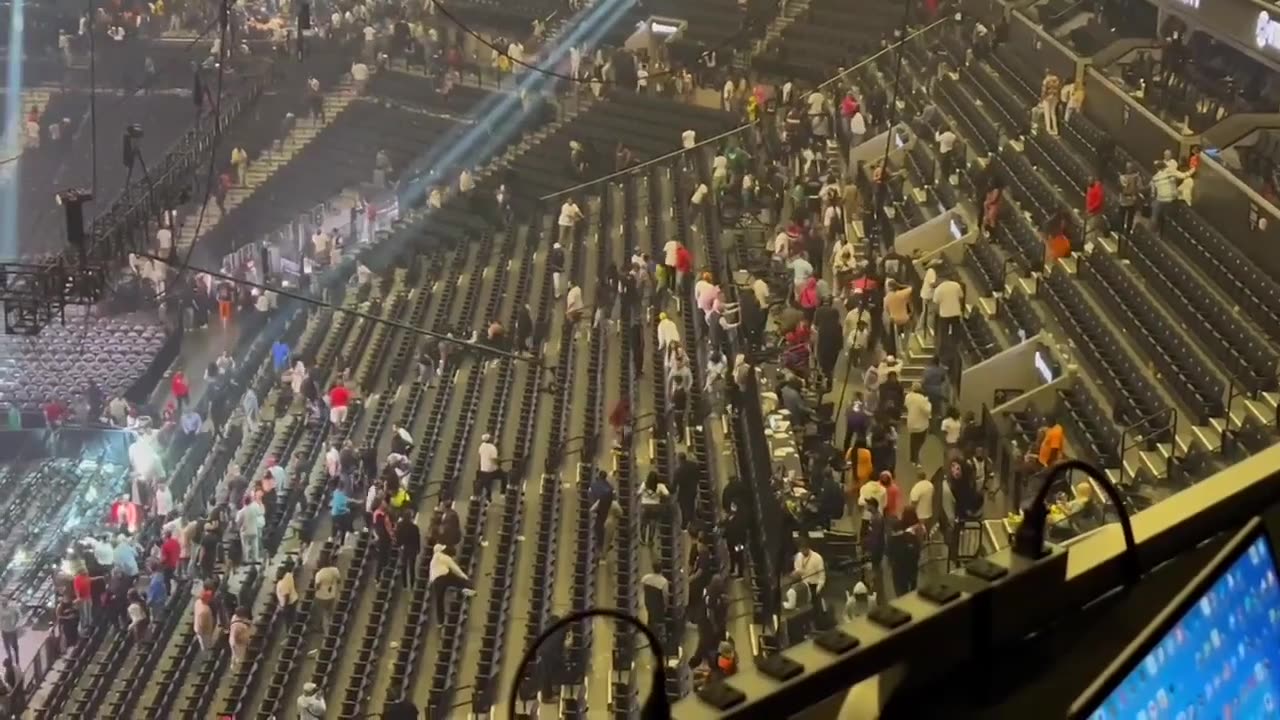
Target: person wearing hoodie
x=892 y=399
x=311 y=705
x=444 y=573
x=859 y=602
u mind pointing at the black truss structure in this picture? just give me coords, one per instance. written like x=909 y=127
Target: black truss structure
x=38 y=292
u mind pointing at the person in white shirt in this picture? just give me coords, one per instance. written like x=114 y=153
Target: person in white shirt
x=817 y=103
x=811 y=569
x=870 y=491
x=787 y=88
x=669 y=257
x=642 y=79
x=921 y=498
x=360 y=76
x=726 y=96
x=435 y=199
x=465 y=182
x=857 y=129
x=515 y=51
x=699 y=195
x=573 y=303
x=951 y=428
x=164 y=241
x=781 y=246
x=653 y=495
x=442 y=574
x=927 y=321
x=667 y=331
x=948 y=297
x=946 y=143
x=575 y=61
x=688 y=139
x=569 y=217
x=761 y=290
x=490 y=470
x=919 y=415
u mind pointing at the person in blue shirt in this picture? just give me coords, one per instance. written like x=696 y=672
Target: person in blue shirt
x=934 y=384
x=601 y=497
x=157 y=590
x=279 y=356
x=125 y=558
x=340 y=509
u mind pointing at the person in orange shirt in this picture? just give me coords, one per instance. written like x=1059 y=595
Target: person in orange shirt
x=1052 y=445
x=859 y=461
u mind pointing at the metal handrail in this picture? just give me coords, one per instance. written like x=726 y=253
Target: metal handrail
x=1004 y=273
x=740 y=128
x=1125 y=446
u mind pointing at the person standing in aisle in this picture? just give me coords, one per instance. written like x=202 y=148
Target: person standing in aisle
x=409 y=540
x=919 y=417
x=1130 y=189
x=490 y=470
x=810 y=569
x=555 y=260
x=1050 y=90
x=570 y=215
x=948 y=295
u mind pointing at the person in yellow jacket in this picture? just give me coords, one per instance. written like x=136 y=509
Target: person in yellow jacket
x=240 y=163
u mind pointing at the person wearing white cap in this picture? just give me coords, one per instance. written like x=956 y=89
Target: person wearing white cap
x=311 y=704
x=444 y=573
x=489 y=468
x=667 y=331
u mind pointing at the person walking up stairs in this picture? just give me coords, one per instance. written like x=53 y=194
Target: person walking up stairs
x=304 y=129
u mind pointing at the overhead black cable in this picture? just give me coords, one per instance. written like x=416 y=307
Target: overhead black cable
x=747 y=25
x=283 y=292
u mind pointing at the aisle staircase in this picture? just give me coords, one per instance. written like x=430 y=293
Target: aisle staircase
x=783 y=21
x=262 y=169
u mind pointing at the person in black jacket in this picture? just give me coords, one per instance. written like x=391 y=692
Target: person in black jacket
x=551 y=662
x=735 y=535
x=523 y=329
x=734 y=493
x=830 y=340
x=409 y=540
x=686 y=482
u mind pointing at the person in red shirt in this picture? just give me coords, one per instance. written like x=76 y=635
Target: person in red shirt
x=170 y=556
x=620 y=420
x=684 y=269
x=83 y=586
x=54 y=413
x=339 y=396
x=893 y=495
x=1093 y=205
x=181 y=391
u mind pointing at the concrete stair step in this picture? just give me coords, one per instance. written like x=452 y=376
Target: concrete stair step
x=1209 y=436
x=987 y=306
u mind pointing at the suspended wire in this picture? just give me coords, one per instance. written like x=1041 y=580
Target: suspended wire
x=223 y=54
x=749 y=23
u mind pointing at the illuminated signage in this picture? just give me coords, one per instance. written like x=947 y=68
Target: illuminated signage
x=661 y=28
x=1266 y=32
